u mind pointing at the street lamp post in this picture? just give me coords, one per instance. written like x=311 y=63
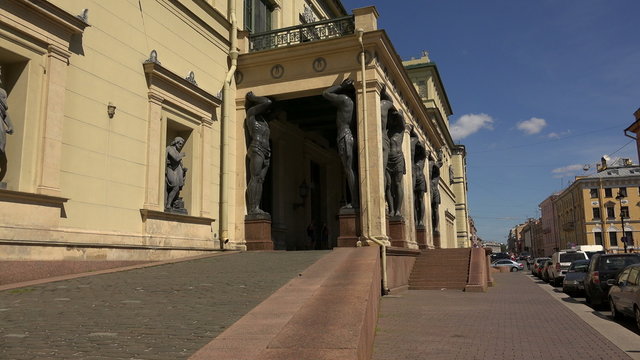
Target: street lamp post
x=624 y=238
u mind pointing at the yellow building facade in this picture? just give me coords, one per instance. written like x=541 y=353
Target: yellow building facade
x=595 y=209
x=454 y=210
x=98 y=91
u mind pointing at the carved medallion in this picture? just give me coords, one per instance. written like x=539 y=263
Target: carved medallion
x=319 y=64
x=277 y=71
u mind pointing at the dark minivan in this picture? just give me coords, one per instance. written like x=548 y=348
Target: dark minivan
x=602 y=268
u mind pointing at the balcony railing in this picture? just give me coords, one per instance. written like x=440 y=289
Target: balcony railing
x=320 y=30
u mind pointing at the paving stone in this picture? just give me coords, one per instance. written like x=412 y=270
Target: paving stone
x=516 y=319
x=161 y=312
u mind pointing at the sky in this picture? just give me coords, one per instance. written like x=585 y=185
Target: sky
x=538 y=88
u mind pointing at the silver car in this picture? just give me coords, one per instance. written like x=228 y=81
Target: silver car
x=624 y=293
x=515 y=266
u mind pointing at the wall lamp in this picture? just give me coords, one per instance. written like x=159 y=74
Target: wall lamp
x=303 y=192
x=111 y=110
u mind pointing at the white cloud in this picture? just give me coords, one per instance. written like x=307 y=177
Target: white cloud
x=555 y=135
x=532 y=126
x=469 y=124
x=568 y=170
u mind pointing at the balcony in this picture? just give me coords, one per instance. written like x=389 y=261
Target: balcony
x=320 y=30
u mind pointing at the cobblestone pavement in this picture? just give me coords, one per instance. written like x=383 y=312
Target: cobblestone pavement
x=516 y=319
x=161 y=312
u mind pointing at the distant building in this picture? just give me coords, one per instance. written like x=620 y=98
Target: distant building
x=591 y=210
x=635 y=128
x=550 y=235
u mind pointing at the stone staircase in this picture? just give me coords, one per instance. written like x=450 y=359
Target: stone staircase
x=441 y=269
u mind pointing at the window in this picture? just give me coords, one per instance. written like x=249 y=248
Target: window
x=594 y=193
x=613 y=239
x=624 y=212
x=634 y=276
x=257 y=15
x=608 y=192
x=598 y=236
x=623 y=191
x=596 y=213
x=611 y=213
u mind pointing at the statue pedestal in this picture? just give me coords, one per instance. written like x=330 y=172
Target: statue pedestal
x=349 y=224
x=436 y=240
x=397 y=232
x=257 y=233
x=421 y=237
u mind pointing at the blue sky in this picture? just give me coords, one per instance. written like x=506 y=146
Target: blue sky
x=539 y=88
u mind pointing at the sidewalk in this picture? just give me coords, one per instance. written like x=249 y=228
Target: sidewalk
x=161 y=312
x=516 y=319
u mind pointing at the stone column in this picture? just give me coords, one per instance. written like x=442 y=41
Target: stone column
x=371 y=178
x=154 y=195
x=407 y=202
x=51 y=142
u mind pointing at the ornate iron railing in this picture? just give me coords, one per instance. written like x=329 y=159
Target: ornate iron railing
x=302 y=33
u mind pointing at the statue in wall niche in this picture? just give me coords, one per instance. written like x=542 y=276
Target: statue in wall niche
x=386 y=105
x=258 y=150
x=395 y=165
x=420 y=181
x=6 y=127
x=435 y=164
x=339 y=97
x=175 y=175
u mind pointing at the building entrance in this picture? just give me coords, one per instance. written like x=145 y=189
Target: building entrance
x=307 y=178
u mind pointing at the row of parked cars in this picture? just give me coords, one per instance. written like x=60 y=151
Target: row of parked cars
x=612 y=279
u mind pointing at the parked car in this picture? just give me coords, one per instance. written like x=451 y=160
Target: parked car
x=544 y=274
x=624 y=294
x=561 y=261
x=498 y=256
x=573 y=283
x=538 y=264
x=602 y=268
x=515 y=266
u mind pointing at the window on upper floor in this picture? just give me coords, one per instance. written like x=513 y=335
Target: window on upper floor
x=257 y=15
x=624 y=212
x=608 y=192
x=613 y=238
x=596 y=213
x=611 y=213
x=623 y=191
x=594 y=193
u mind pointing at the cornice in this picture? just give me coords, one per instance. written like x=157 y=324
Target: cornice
x=165 y=85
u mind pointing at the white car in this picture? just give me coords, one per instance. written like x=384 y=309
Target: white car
x=560 y=262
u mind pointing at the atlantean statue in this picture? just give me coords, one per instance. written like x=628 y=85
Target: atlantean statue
x=258 y=151
x=435 y=164
x=395 y=165
x=419 y=180
x=339 y=97
x=6 y=127
x=386 y=106
x=175 y=175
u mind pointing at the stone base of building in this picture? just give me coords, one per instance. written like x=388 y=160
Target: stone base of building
x=349 y=227
x=257 y=233
x=30 y=230
x=421 y=237
x=436 y=240
x=397 y=232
